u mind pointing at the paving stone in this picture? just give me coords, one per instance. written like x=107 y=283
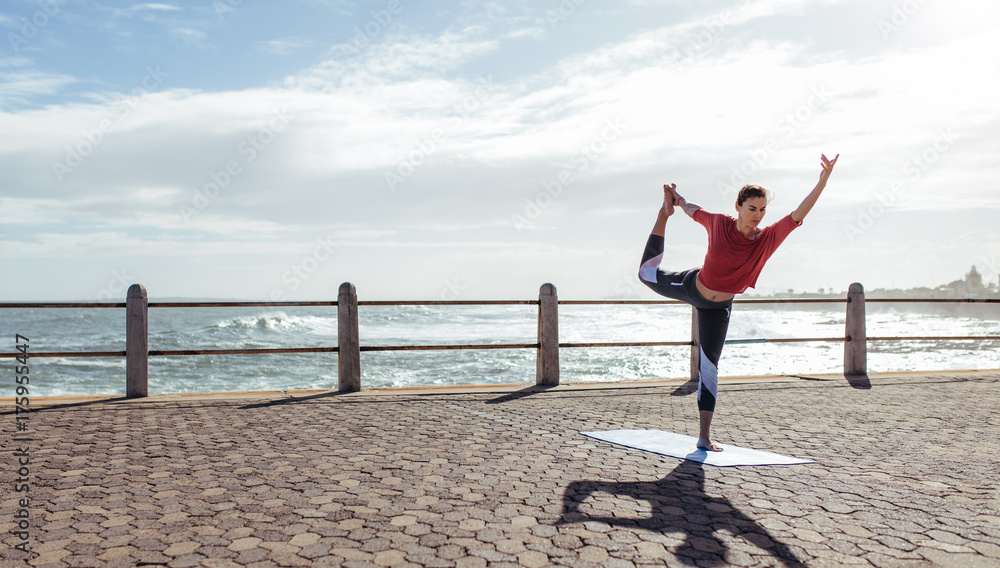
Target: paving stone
x=986 y=549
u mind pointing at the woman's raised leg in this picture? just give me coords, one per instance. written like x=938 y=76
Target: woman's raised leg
x=663 y=283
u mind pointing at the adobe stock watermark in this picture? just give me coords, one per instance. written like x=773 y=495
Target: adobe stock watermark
x=246 y=151
x=298 y=273
x=30 y=27
x=627 y=288
x=913 y=169
x=22 y=453
x=92 y=138
x=901 y=14
x=226 y=8
x=364 y=35
x=117 y=285
x=579 y=163
x=787 y=126
x=562 y=12
x=709 y=34
x=991 y=272
x=426 y=147
x=452 y=289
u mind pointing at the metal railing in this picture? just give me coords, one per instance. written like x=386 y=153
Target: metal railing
x=349 y=349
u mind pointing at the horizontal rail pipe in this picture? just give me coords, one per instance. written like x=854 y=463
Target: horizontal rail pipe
x=236 y=304
x=67 y=354
x=939 y=338
x=448 y=347
x=628 y=344
x=262 y=351
x=617 y=302
x=938 y=300
x=785 y=339
x=448 y=303
x=16 y=305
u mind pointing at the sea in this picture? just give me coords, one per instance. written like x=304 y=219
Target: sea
x=91 y=329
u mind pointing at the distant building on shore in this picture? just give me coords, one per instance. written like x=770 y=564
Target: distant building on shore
x=971 y=286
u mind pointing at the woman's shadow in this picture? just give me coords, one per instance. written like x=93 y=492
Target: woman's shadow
x=681 y=507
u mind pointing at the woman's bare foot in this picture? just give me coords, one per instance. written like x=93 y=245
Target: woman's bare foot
x=708 y=446
x=668 y=200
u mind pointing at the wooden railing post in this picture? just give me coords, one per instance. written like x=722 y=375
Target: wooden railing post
x=695 y=345
x=547 y=373
x=856 y=338
x=136 y=342
x=348 y=339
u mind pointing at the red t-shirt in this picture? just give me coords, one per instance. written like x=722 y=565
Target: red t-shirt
x=733 y=261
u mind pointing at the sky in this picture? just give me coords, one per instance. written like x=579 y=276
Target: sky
x=463 y=150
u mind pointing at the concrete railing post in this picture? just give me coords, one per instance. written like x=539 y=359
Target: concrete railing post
x=136 y=342
x=695 y=345
x=348 y=339
x=856 y=342
x=547 y=373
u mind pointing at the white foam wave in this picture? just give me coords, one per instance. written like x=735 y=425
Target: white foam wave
x=280 y=322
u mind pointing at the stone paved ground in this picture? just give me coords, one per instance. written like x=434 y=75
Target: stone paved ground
x=906 y=474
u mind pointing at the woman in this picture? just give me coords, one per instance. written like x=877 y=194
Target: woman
x=737 y=251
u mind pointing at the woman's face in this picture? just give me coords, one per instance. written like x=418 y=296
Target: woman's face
x=752 y=211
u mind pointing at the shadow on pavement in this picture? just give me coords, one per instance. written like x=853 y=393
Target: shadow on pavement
x=292 y=399
x=679 y=506
x=518 y=394
x=686 y=389
x=43 y=408
x=859 y=381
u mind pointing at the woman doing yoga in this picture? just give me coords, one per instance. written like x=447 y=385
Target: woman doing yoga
x=737 y=251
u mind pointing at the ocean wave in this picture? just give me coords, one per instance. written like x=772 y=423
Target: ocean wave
x=82 y=362
x=278 y=322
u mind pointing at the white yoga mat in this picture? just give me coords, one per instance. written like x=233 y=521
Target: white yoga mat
x=686 y=447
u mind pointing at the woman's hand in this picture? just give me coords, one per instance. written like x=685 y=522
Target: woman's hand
x=685 y=205
x=807 y=204
x=827 y=167
x=668 y=193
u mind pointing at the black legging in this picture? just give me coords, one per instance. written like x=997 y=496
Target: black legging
x=713 y=317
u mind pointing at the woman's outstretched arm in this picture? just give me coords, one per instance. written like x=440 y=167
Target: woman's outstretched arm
x=800 y=212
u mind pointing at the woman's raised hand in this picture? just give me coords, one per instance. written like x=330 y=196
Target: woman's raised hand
x=827 y=165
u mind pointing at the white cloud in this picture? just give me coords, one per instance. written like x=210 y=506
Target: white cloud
x=382 y=61
x=189 y=34
x=155 y=7
x=282 y=46
x=19 y=87
x=110 y=244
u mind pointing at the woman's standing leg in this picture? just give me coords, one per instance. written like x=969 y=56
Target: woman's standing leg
x=712 y=327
